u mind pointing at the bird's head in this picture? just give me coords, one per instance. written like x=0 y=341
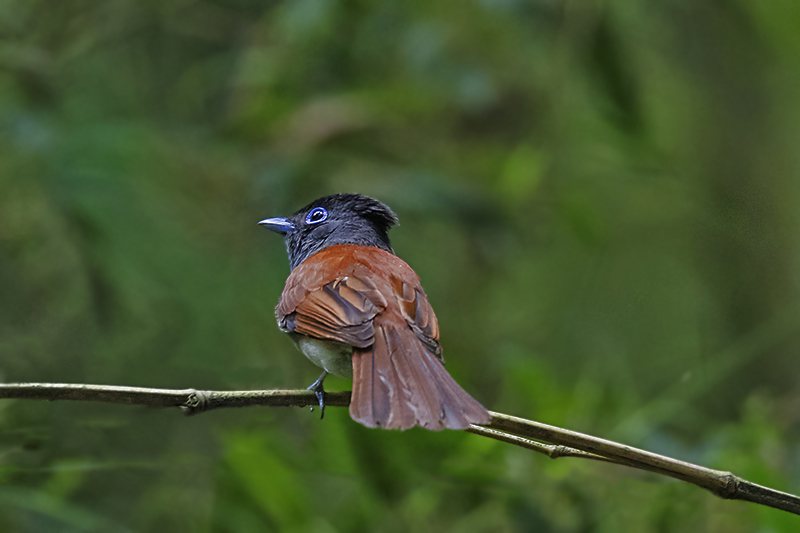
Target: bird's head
x=336 y=219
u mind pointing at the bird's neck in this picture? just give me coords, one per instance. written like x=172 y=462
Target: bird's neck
x=301 y=251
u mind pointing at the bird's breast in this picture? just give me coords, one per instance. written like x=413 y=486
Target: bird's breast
x=335 y=357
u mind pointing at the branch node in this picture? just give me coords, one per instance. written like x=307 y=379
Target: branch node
x=729 y=487
x=559 y=450
x=196 y=402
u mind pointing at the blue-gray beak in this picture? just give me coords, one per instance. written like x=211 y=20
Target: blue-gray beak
x=278 y=225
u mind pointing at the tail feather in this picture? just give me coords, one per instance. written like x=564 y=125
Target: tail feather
x=372 y=390
x=399 y=384
x=420 y=387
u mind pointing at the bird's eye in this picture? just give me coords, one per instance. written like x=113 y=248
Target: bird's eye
x=317 y=215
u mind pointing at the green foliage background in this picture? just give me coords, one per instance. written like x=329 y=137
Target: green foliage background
x=601 y=198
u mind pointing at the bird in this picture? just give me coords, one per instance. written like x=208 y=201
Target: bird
x=358 y=311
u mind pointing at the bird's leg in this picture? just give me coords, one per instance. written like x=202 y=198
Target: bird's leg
x=318 y=390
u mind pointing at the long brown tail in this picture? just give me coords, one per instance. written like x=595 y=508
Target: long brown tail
x=399 y=384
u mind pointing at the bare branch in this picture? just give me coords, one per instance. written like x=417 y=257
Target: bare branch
x=190 y=401
x=722 y=484
x=505 y=428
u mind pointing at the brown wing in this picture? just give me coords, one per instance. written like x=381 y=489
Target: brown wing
x=337 y=292
x=323 y=299
x=418 y=312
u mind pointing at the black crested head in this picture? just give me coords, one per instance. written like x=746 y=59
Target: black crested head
x=337 y=219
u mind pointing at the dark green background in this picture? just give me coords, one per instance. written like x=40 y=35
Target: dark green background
x=601 y=198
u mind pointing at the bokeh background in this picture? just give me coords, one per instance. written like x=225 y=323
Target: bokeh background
x=601 y=198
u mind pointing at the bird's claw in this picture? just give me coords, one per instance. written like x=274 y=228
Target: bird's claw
x=318 y=392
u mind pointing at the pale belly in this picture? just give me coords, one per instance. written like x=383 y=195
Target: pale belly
x=334 y=357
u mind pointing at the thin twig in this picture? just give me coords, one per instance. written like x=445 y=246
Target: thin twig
x=510 y=429
x=553 y=451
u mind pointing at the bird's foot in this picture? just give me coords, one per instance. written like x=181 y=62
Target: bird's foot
x=319 y=391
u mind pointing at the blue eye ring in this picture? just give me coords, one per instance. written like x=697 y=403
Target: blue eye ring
x=316 y=215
